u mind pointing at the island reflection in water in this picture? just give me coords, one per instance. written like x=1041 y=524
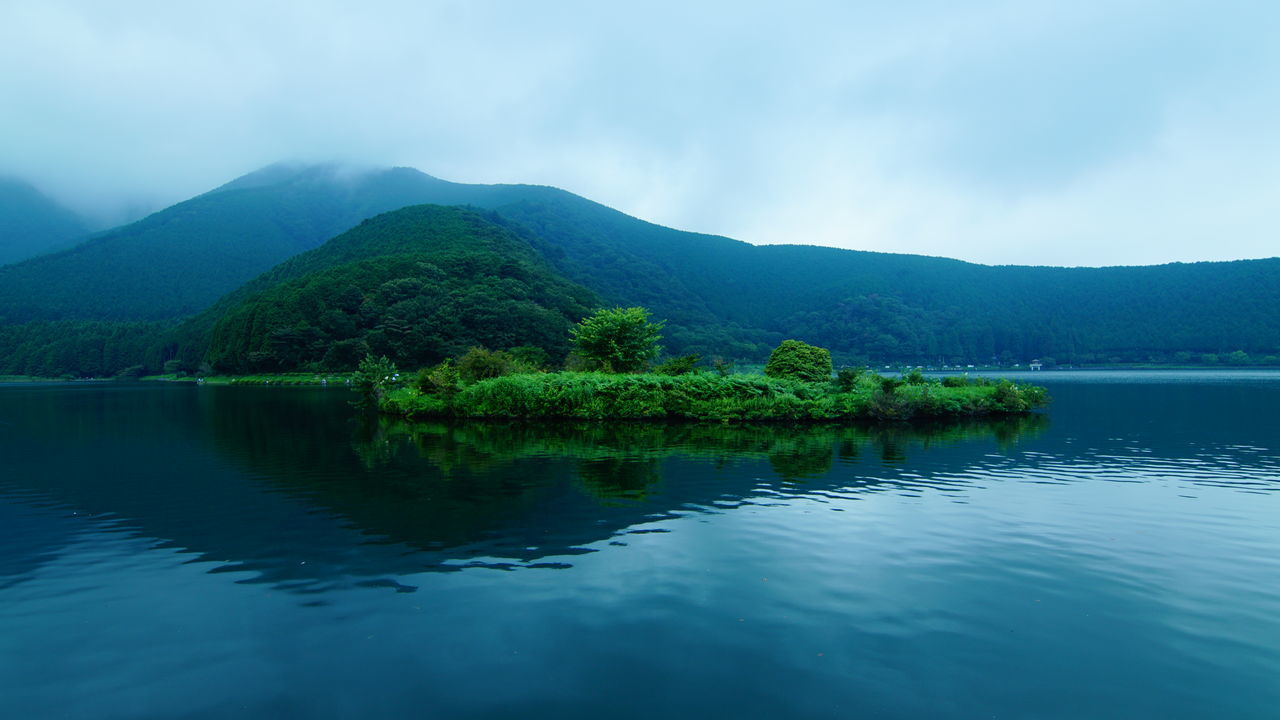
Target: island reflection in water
x=272 y=482
x=510 y=495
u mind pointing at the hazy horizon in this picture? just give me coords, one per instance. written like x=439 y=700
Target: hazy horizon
x=1000 y=133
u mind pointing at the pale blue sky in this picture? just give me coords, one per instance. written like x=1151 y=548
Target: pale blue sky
x=1069 y=133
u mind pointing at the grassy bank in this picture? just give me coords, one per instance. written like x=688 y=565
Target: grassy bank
x=709 y=397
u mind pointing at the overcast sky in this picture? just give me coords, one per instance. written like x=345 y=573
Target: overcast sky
x=1067 y=133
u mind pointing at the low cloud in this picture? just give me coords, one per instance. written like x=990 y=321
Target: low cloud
x=995 y=132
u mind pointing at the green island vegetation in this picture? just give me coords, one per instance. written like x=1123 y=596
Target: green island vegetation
x=604 y=379
x=299 y=268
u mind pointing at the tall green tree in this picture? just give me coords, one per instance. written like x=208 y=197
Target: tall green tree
x=619 y=340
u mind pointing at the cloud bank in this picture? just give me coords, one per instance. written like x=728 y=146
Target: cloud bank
x=998 y=132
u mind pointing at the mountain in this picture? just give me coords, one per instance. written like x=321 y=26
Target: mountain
x=32 y=224
x=180 y=260
x=719 y=296
x=418 y=285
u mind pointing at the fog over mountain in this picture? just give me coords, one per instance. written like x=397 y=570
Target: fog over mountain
x=32 y=224
x=996 y=132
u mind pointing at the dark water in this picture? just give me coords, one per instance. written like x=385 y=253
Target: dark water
x=183 y=552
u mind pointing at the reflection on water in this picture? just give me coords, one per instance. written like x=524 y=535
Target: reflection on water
x=794 y=450
x=1112 y=557
x=271 y=481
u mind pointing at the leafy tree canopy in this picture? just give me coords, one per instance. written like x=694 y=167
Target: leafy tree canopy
x=799 y=361
x=619 y=340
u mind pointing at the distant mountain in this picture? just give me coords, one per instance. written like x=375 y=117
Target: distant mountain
x=178 y=261
x=32 y=224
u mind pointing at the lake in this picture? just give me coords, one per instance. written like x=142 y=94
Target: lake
x=172 y=551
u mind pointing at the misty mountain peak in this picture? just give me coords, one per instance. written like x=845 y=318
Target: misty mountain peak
x=286 y=173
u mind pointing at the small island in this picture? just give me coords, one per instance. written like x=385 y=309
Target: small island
x=609 y=376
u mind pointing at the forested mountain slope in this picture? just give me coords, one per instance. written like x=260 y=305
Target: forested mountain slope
x=418 y=285
x=32 y=224
x=180 y=260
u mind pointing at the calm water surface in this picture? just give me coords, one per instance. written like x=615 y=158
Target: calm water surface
x=184 y=552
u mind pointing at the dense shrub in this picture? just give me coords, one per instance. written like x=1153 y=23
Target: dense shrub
x=682 y=365
x=723 y=367
x=1010 y=397
x=530 y=356
x=441 y=379
x=481 y=364
x=373 y=379
x=847 y=378
x=799 y=361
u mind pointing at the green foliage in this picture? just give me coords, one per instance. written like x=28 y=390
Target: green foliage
x=530 y=356
x=682 y=365
x=619 y=340
x=723 y=367
x=481 y=364
x=82 y=348
x=886 y=405
x=374 y=379
x=133 y=372
x=955 y=381
x=799 y=361
x=432 y=283
x=345 y=354
x=1011 y=397
x=914 y=376
x=703 y=396
x=441 y=379
x=847 y=378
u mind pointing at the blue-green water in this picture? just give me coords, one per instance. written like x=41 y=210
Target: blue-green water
x=184 y=552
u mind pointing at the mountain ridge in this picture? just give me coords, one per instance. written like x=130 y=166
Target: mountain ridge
x=720 y=296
